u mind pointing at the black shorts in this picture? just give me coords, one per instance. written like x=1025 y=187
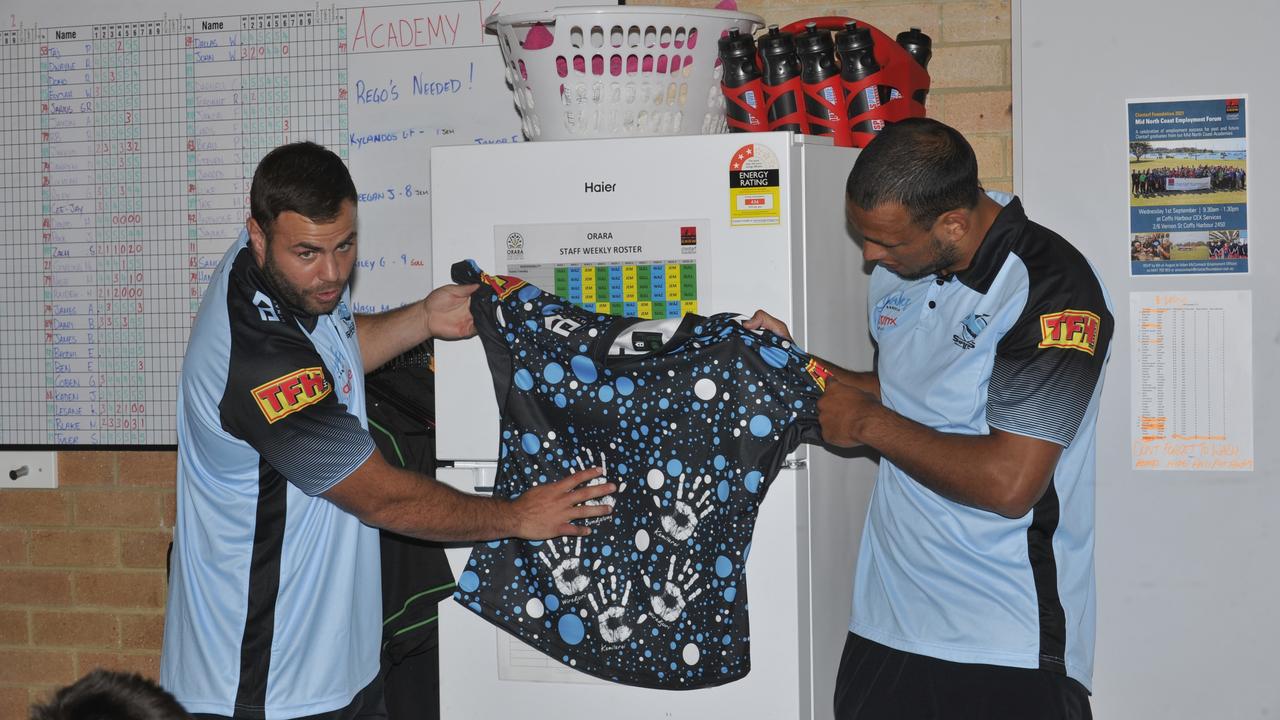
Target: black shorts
x=877 y=682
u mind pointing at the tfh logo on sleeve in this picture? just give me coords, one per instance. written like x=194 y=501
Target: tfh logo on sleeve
x=290 y=393
x=1071 y=329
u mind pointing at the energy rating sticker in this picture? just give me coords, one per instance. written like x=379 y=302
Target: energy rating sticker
x=755 y=196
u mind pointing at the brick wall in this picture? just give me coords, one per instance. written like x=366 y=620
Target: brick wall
x=82 y=567
x=82 y=573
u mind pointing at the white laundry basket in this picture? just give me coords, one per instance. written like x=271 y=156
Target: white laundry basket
x=617 y=70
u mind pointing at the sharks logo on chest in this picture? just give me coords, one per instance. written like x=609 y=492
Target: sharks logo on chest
x=970 y=328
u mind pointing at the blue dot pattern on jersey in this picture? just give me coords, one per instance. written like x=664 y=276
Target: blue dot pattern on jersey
x=692 y=434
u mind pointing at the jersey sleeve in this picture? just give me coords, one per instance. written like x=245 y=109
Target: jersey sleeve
x=1048 y=365
x=280 y=400
x=487 y=312
x=786 y=383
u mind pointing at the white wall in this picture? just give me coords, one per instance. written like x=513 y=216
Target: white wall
x=1188 y=579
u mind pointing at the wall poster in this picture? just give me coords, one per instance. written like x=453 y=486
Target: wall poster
x=1188 y=186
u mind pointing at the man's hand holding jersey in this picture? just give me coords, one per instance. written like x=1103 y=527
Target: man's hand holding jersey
x=405 y=502
x=849 y=395
x=448 y=311
x=1002 y=472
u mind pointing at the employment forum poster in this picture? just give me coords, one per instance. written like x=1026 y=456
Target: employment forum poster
x=1188 y=186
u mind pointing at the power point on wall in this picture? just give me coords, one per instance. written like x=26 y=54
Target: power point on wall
x=22 y=469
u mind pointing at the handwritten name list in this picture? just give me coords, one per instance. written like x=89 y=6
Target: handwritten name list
x=1192 y=381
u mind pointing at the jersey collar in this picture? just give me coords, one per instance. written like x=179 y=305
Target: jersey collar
x=600 y=348
x=1000 y=238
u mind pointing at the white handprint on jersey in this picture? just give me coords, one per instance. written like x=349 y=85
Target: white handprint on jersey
x=613 y=629
x=607 y=499
x=684 y=516
x=571 y=572
x=676 y=592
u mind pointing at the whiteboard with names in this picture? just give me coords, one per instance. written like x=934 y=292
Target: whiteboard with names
x=130 y=133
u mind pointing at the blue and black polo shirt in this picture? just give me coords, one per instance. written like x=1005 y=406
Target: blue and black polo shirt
x=274 y=603
x=1017 y=342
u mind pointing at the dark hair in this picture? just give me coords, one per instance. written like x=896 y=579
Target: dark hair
x=300 y=177
x=919 y=163
x=110 y=695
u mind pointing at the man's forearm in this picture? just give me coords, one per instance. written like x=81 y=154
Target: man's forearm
x=422 y=507
x=386 y=335
x=411 y=504
x=1001 y=472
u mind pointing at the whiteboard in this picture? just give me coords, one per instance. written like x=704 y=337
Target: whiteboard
x=130 y=135
x=1187 y=578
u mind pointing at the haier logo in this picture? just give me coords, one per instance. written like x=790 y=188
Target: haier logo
x=599 y=187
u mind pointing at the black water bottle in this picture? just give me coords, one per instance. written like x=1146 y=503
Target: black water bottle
x=854 y=45
x=818 y=64
x=920 y=47
x=778 y=56
x=738 y=59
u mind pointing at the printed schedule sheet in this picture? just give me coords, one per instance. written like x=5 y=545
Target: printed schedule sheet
x=1192 y=380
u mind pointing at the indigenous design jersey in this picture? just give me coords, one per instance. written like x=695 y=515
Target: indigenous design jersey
x=274 y=599
x=692 y=427
x=1016 y=342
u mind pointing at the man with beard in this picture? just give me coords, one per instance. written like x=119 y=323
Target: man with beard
x=274 y=603
x=974 y=590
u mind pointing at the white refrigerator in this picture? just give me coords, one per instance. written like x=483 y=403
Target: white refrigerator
x=653 y=227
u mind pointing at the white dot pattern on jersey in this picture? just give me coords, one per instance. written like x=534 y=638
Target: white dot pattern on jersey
x=692 y=435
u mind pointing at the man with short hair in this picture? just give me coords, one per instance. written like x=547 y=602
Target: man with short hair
x=974 y=589
x=274 y=601
x=110 y=695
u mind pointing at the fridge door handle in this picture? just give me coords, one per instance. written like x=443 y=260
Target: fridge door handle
x=470 y=477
